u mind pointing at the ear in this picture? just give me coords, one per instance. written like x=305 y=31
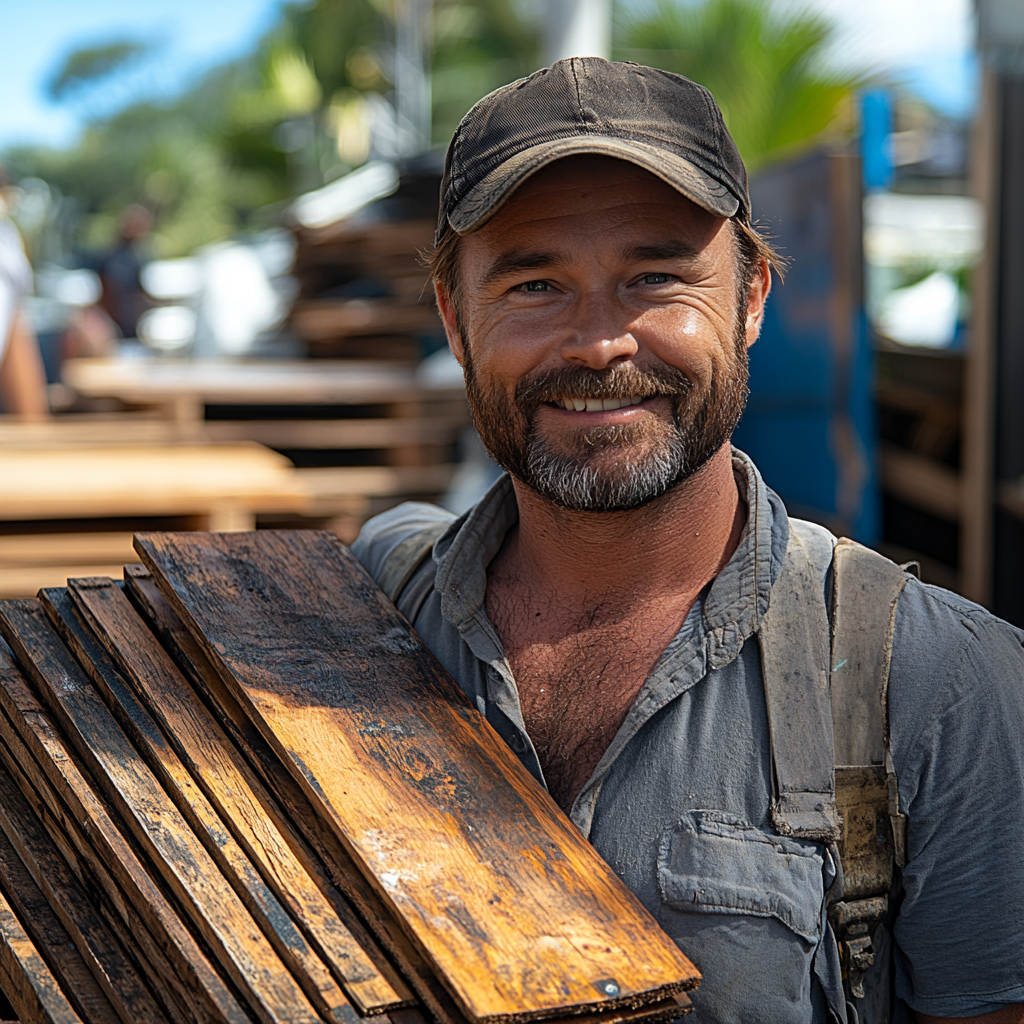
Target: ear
x=757 y=296
x=446 y=308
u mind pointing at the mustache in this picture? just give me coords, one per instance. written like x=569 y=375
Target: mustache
x=624 y=381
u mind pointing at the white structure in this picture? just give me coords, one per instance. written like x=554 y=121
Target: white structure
x=577 y=28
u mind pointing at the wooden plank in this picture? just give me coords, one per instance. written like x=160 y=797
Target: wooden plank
x=378 y=433
x=119 y=915
x=102 y=953
x=26 y=980
x=233 y=791
x=318 y=849
x=144 y=480
x=518 y=914
x=45 y=929
x=65 y=548
x=23 y=721
x=921 y=482
x=26 y=580
x=184 y=863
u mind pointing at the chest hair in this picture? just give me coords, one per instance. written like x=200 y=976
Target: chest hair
x=578 y=673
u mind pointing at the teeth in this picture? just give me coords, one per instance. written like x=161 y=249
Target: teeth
x=598 y=404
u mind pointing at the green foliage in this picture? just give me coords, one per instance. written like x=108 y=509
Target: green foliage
x=764 y=69
x=91 y=65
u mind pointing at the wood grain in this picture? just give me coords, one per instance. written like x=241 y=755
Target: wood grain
x=236 y=795
x=519 y=916
x=26 y=980
x=207 y=826
x=44 y=928
x=155 y=822
x=24 y=721
x=100 y=950
x=316 y=846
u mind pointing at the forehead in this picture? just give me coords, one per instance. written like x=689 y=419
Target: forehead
x=595 y=197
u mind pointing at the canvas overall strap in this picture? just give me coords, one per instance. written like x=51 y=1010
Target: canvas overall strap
x=833 y=780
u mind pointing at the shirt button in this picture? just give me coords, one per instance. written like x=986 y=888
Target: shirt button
x=518 y=743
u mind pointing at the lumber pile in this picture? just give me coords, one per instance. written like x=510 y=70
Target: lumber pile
x=236 y=787
x=362 y=284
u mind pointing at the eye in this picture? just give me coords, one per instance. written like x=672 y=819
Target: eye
x=534 y=286
x=657 y=278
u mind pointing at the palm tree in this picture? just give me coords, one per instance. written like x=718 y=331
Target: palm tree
x=765 y=69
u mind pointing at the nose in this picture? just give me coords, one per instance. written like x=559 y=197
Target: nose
x=599 y=338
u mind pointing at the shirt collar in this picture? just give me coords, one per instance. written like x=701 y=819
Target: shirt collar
x=733 y=604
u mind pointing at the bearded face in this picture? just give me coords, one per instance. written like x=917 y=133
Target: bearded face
x=610 y=468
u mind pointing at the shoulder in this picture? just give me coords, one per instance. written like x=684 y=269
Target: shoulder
x=382 y=534
x=952 y=657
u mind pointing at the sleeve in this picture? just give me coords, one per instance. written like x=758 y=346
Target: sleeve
x=382 y=534
x=956 y=705
x=15 y=279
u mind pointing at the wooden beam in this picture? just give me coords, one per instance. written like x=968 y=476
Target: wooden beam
x=518 y=914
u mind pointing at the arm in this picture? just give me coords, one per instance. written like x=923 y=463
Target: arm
x=22 y=379
x=1007 y=1015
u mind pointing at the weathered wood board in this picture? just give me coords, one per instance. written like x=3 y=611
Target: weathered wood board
x=102 y=953
x=517 y=913
x=237 y=796
x=155 y=822
x=129 y=890
x=318 y=848
x=34 y=911
x=26 y=980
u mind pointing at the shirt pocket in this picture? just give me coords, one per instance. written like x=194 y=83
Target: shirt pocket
x=746 y=906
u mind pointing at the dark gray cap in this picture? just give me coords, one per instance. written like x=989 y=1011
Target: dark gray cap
x=659 y=121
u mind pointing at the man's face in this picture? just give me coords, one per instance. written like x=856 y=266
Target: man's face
x=603 y=334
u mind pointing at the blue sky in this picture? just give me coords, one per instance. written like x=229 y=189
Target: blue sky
x=927 y=42
x=36 y=34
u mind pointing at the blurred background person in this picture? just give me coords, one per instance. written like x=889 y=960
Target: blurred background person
x=22 y=380
x=123 y=299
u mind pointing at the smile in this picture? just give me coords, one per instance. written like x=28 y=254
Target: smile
x=597 y=404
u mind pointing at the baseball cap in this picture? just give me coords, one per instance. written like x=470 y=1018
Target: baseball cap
x=657 y=120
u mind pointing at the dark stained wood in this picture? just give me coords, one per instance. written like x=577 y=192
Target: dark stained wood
x=119 y=914
x=45 y=929
x=318 y=848
x=236 y=796
x=519 y=916
x=26 y=980
x=155 y=823
x=101 y=952
x=117 y=871
x=202 y=818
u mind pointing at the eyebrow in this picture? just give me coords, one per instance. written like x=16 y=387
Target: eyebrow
x=516 y=261
x=660 y=251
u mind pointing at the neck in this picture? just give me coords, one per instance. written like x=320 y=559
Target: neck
x=671 y=547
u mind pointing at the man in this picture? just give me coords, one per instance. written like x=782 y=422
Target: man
x=609 y=603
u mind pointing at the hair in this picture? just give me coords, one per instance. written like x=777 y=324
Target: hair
x=753 y=249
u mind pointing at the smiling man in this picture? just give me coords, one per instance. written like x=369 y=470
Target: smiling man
x=636 y=615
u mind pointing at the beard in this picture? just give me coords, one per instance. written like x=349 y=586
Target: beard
x=610 y=468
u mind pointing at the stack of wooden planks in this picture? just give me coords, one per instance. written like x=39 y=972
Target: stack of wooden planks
x=236 y=787
x=363 y=290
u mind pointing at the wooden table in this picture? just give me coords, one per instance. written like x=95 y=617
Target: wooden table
x=69 y=507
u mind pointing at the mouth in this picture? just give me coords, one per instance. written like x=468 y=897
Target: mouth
x=597 y=404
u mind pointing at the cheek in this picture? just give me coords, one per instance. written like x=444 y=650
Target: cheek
x=685 y=337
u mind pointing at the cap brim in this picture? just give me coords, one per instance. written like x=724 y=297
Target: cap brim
x=484 y=199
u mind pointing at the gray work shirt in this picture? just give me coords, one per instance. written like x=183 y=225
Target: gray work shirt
x=679 y=803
